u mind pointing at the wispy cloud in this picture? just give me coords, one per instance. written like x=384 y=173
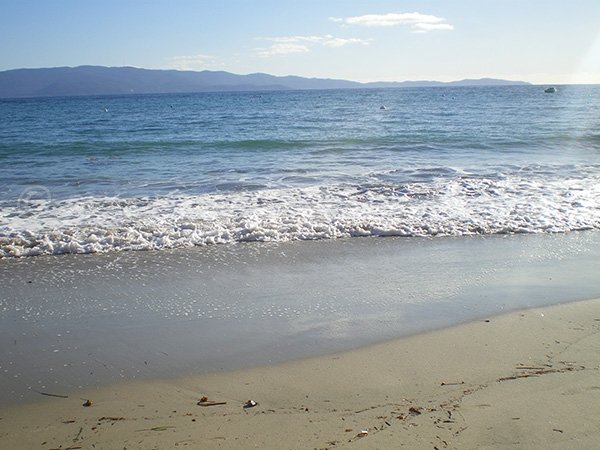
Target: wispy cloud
x=340 y=42
x=193 y=62
x=282 y=48
x=425 y=27
x=283 y=45
x=419 y=23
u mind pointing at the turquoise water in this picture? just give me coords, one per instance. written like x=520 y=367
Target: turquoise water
x=94 y=174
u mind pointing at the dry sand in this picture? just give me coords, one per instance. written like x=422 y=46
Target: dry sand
x=527 y=380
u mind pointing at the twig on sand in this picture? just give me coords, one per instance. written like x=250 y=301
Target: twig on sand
x=211 y=403
x=165 y=428
x=52 y=395
x=204 y=401
x=515 y=377
x=538 y=372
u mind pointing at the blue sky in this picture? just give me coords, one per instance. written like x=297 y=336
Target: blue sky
x=539 y=41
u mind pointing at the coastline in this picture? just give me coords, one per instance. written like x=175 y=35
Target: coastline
x=79 y=321
x=526 y=379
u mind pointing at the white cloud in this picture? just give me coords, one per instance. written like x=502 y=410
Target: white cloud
x=425 y=27
x=294 y=39
x=282 y=45
x=419 y=23
x=282 y=48
x=193 y=62
x=331 y=41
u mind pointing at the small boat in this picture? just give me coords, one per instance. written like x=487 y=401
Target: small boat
x=550 y=90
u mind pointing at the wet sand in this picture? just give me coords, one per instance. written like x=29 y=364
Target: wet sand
x=73 y=322
x=527 y=379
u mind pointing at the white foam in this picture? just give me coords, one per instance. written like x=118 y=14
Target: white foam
x=461 y=206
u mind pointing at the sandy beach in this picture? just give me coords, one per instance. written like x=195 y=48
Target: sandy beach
x=78 y=321
x=366 y=343
x=527 y=379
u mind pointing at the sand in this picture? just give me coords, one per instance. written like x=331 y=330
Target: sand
x=527 y=379
x=72 y=322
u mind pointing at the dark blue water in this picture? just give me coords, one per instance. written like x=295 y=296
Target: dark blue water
x=158 y=171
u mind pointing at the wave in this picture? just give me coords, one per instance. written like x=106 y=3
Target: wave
x=444 y=207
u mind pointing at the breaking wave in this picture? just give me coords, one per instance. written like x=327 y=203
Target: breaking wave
x=443 y=207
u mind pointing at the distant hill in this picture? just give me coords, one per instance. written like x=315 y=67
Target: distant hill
x=98 y=80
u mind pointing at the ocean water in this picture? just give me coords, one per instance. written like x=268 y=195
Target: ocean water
x=140 y=172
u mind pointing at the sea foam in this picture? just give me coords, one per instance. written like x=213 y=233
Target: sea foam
x=444 y=207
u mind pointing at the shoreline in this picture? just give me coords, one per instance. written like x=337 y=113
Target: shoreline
x=80 y=321
x=525 y=379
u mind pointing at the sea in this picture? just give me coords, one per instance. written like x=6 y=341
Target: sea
x=151 y=236
x=154 y=172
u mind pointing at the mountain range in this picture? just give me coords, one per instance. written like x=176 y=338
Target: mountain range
x=99 y=80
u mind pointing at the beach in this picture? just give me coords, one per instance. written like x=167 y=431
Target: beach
x=77 y=321
x=527 y=379
x=467 y=342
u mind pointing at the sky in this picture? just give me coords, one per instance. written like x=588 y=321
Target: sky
x=543 y=42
